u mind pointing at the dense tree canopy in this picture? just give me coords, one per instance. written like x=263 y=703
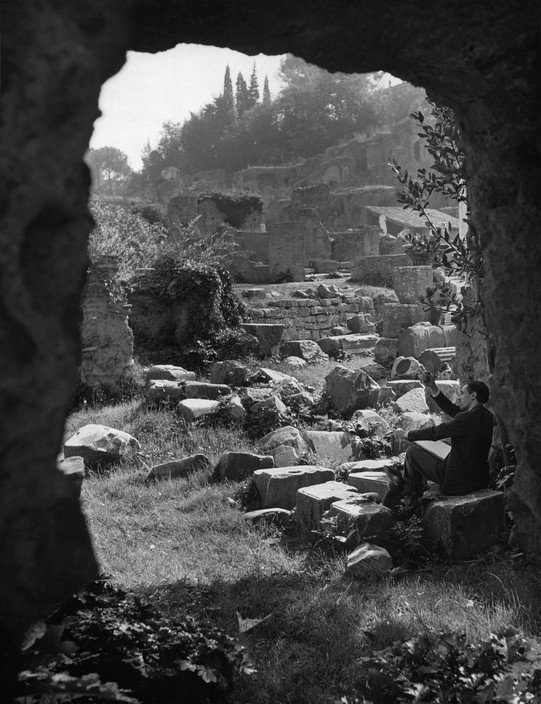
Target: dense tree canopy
x=110 y=169
x=242 y=127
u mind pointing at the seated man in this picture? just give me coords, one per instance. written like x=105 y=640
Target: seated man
x=465 y=469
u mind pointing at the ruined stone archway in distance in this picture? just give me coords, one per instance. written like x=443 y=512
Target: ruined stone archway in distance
x=480 y=58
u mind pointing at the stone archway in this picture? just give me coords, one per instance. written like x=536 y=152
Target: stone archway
x=481 y=58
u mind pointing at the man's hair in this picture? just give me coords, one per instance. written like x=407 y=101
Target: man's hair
x=481 y=389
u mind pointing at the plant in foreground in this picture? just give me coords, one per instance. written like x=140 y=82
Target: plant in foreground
x=108 y=635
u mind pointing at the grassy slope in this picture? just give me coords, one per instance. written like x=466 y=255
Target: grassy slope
x=182 y=542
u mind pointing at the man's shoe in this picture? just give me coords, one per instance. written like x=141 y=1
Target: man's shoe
x=395 y=477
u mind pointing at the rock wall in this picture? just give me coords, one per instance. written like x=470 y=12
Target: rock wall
x=57 y=57
x=377 y=270
x=106 y=336
x=310 y=318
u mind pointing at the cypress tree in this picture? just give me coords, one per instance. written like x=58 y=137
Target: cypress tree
x=241 y=97
x=253 y=91
x=228 y=88
x=266 y=92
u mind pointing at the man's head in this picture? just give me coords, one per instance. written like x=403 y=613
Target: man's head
x=471 y=394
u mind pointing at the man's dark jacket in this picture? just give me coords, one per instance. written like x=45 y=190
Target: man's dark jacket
x=466 y=466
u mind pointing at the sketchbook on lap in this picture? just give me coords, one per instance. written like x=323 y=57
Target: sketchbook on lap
x=437 y=448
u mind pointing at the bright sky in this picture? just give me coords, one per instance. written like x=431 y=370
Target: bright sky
x=152 y=89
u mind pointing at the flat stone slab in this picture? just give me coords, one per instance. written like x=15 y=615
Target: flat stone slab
x=329 y=445
x=278 y=487
x=168 y=372
x=466 y=525
x=269 y=516
x=365 y=482
x=414 y=421
x=370 y=520
x=413 y=400
x=369 y=465
x=202 y=389
x=402 y=386
x=313 y=501
x=164 y=391
x=193 y=408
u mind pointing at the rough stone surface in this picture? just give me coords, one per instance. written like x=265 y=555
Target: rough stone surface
x=178 y=469
x=385 y=350
x=234 y=409
x=294 y=362
x=268 y=335
x=413 y=341
x=268 y=376
x=366 y=482
x=386 y=397
x=229 y=372
x=159 y=391
x=329 y=445
x=308 y=350
x=370 y=520
x=350 y=390
x=193 y=408
x=99 y=444
x=278 y=487
x=399 y=316
x=410 y=420
x=272 y=404
x=405 y=368
x=237 y=466
x=201 y=389
x=411 y=282
x=106 y=337
x=368 y=561
x=371 y=422
x=361 y=323
x=168 y=372
x=313 y=501
x=413 y=400
x=286 y=445
x=45 y=221
x=368 y=465
x=402 y=386
x=466 y=525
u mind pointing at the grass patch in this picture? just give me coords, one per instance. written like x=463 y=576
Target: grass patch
x=183 y=544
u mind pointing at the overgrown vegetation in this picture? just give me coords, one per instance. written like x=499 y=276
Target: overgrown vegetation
x=315 y=635
x=124 y=639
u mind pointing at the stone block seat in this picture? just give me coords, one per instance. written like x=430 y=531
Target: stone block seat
x=313 y=501
x=466 y=525
x=366 y=482
x=278 y=487
x=370 y=520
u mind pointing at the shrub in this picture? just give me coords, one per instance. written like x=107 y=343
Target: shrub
x=126 y=640
x=125 y=234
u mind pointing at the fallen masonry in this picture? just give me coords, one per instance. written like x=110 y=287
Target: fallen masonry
x=364 y=482
x=466 y=525
x=313 y=501
x=278 y=487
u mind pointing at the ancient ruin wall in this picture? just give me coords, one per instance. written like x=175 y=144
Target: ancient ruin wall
x=310 y=318
x=107 y=339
